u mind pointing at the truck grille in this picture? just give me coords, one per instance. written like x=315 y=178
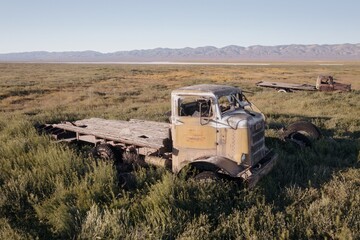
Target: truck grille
x=258 y=144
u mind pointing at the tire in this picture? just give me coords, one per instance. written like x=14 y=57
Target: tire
x=307 y=129
x=282 y=91
x=299 y=139
x=127 y=180
x=207 y=176
x=104 y=152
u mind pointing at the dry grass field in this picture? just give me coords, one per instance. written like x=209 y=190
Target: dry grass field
x=55 y=191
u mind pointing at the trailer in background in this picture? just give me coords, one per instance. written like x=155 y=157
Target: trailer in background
x=323 y=83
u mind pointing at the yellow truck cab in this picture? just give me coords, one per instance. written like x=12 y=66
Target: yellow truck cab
x=215 y=128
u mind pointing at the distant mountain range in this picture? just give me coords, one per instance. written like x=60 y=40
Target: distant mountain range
x=232 y=53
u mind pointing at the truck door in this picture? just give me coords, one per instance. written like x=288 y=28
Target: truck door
x=194 y=131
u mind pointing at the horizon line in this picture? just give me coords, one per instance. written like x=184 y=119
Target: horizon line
x=176 y=48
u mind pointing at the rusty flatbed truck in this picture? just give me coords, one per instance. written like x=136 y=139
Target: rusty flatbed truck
x=213 y=129
x=323 y=83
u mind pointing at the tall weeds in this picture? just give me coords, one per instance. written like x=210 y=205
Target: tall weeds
x=55 y=191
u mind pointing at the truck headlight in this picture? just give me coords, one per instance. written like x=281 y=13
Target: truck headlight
x=243 y=157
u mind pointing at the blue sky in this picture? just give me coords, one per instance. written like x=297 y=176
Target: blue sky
x=109 y=25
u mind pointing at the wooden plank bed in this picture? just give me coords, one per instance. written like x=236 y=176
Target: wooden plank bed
x=140 y=133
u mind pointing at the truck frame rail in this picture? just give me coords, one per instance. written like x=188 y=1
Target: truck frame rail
x=286 y=86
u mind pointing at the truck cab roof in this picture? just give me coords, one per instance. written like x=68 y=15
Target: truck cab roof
x=211 y=89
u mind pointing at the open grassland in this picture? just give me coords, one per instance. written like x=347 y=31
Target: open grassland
x=50 y=190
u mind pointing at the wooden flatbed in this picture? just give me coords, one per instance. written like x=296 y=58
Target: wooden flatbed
x=286 y=86
x=140 y=133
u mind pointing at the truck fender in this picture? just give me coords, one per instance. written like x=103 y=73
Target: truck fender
x=301 y=133
x=213 y=163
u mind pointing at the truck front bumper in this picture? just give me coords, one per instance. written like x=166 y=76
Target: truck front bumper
x=254 y=173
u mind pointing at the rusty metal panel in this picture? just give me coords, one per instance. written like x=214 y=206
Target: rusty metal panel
x=327 y=83
x=193 y=135
x=187 y=155
x=281 y=85
x=209 y=89
x=191 y=141
x=233 y=143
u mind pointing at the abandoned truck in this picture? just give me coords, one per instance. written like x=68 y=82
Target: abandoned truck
x=213 y=129
x=323 y=83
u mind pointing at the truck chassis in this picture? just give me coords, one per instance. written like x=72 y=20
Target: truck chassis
x=213 y=128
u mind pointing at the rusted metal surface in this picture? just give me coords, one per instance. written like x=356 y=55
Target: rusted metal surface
x=257 y=171
x=323 y=83
x=232 y=143
x=290 y=86
x=209 y=89
x=191 y=134
x=327 y=83
x=301 y=133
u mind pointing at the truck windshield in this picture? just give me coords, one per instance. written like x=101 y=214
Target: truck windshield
x=232 y=102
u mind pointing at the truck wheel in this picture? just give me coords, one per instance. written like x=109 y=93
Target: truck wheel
x=305 y=128
x=104 y=152
x=299 y=139
x=207 y=176
x=127 y=180
x=301 y=133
